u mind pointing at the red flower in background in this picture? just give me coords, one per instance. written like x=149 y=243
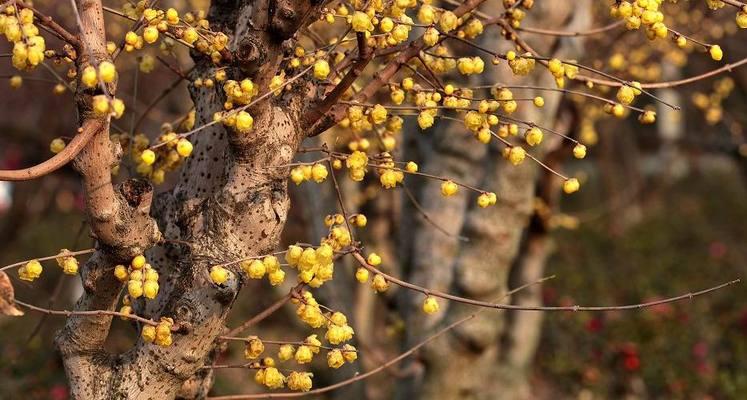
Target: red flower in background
x=58 y=392
x=700 y=349
x=632 y=363
x=717 y=250
x=595 y=325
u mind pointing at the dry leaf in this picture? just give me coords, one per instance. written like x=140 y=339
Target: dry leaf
x=7 y=298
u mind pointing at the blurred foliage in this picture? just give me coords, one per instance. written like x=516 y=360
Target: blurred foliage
x=692 y=236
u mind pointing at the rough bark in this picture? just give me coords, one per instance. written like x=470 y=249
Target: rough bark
x=476 y=361
x=231 y=202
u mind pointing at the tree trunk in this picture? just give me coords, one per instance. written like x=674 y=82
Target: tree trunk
x=483 y=359
x=231 y=202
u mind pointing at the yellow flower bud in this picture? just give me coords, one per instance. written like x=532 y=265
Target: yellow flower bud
x=449 y=188
x=430 y=305
x=571 y=185
x=321 y=69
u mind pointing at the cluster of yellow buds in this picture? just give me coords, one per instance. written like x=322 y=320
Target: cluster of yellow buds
x=338 y=237
x=30 y=271
x=191 y=28
x=360 y=121
x=357 y=162
x=486 y=199
x=644 y=13
x=479 y=123
x=426 y=117
x=472 y=29
x=616 y=109
x=397 y=31
x=338 y=330
x=388 y=175
x=470 y=65
x=561 y=70
x=218 y=75
x=431 y=36
x=315 y=266
x=395 y=25
x=104 y=106
x=515 y=154
x=240 y=93
x=379 y=283
x=300 y=381
x=626 y=94
x=317 y=172
x=305 y=352
x=515 y=14
x=68 y=263
x=141 y=278
x=505 y=98
x=256 y=269
x=439 y=60
x=268 y=375
x=106 y=73
x=167 y=156
x=309 y=311
x=711 y=103
x=159 y=334
x=336 y=358
x=506 y=130
x=638 y=12
x=241 y=121
x=520 y=65
x=28 y=46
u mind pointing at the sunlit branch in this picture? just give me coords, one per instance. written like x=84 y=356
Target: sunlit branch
x=544 y=61
x=72 y=253
x=428 y=292
x=382 y=367
x=587 y=32
x=91 y=313
x=76 y=145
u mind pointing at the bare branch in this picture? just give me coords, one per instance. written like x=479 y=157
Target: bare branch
x=59 y=160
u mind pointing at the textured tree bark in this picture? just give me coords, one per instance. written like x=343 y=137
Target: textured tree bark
x=479 y=360
x=231 y=203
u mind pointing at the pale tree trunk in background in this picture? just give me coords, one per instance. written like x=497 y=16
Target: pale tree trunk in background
x=670 y=126
x=489 y=357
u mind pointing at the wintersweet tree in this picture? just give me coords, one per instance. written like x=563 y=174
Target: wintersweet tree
x=267 y=78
